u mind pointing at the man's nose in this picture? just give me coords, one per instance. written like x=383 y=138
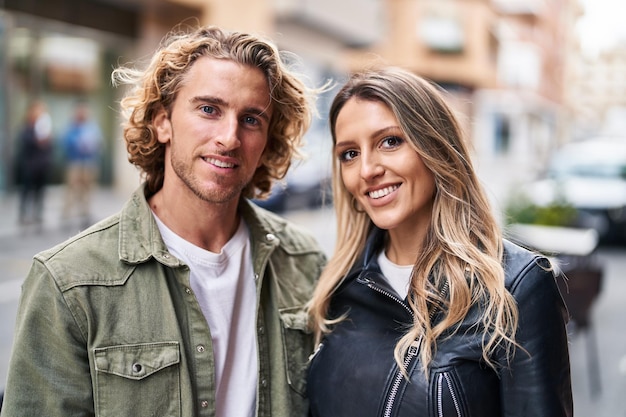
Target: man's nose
x=228 y=133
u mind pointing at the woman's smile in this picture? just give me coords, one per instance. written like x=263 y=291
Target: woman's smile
x=382 y=192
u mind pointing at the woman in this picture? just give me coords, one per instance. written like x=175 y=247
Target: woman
x=424 y=309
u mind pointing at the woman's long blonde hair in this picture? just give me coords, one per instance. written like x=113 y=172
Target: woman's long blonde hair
x=462 y=251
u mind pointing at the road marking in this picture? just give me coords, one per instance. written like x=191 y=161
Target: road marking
x=10 y=290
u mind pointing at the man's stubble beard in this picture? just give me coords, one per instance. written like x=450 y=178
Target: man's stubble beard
x=221 y=194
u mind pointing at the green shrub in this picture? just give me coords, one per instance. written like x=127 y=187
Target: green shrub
x=558 y=213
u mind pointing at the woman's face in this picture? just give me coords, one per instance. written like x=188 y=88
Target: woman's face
x=381 y=170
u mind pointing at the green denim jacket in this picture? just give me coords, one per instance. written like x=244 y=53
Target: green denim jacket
x=108 y=324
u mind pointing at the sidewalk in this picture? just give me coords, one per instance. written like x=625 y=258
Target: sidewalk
x=105 y=202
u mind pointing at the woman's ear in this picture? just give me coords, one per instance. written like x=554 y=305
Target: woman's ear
x=162 y=125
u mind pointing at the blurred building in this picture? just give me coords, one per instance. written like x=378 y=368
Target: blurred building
x=598 y=94
x=506 y=65
x=521 y=121
x=503 y=62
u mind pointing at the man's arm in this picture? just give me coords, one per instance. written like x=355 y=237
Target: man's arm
x=49 y=367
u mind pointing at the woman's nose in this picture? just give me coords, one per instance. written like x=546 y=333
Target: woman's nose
x=371 y=166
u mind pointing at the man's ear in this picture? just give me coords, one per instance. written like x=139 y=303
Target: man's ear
x=162 y=125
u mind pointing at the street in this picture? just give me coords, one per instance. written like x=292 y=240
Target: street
x=609 y=313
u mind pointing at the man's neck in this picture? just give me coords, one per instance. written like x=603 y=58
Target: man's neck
x=204 y=224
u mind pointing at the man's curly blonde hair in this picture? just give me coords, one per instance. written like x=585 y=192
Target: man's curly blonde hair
x=157 y=87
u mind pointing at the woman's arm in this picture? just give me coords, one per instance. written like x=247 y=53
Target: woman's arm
x=537 y=382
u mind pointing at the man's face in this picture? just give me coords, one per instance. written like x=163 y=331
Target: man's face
x=217 y=130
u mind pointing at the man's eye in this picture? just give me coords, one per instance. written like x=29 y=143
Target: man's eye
x=348 y=155
x=208 y=109
x=250 y=120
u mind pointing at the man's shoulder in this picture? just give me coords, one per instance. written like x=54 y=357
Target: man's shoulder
x=90 y=255
x=106 y=229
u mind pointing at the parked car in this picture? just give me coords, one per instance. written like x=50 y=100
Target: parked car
x=590 y=176
x=307 y=183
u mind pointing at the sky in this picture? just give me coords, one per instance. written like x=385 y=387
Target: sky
x=603 y=24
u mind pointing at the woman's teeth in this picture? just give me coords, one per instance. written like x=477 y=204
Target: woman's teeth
x=383 y=192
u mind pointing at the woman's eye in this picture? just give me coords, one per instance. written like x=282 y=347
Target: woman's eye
x=348 y=155
x=392 y=142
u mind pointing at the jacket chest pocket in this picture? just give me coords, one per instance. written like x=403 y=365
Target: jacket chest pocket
x=298 y=346
x=137 y=380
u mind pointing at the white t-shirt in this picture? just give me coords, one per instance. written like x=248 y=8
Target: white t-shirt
x=224 y=286
x=398 y=276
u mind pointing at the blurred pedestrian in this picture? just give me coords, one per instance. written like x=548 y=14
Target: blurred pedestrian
x=34 y=159
x=82 y=145
x=424 y=309
x=191 y=300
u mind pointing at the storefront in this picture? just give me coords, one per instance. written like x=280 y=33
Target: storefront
x=60 y=62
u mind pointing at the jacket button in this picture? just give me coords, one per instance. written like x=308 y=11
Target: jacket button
x=270 y=237
x=137 y=367
x=204 y=403
x=200 y=348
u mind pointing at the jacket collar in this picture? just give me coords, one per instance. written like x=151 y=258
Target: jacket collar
x=368 y=260
x=140 y=239
x=374 y=244
x=139 y=235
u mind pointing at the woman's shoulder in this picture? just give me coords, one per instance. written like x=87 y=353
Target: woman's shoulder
x=521 y=263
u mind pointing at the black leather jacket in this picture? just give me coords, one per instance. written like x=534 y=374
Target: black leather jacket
x=353 y=372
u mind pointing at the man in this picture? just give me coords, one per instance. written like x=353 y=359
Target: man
x=190 y=302
x=82 y=145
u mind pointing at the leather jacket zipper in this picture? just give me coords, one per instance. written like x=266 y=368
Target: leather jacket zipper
x=441 y=379
x=412 y=352
x=394 y=388
x=372 y=285
x=397 y=381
